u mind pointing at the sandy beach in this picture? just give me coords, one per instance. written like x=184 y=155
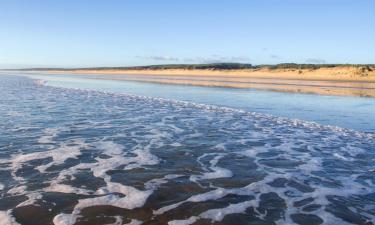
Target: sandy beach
x=347 y=81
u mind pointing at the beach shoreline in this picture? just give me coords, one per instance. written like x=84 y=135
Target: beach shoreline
x=344 y=81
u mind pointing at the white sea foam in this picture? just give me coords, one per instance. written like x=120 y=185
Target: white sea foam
x=32 y=197
x=49 y=134
x=40 y=82
x=188 y=221
x=58 y=155
x=119 y=221
x=17 y=190
x=215 y=171
x=7 y=219
x=110 y=148
x=132 y=222
x=217 y=215
x=64 y=219
x=134 y=198
x=63 y=188
x=211 y=195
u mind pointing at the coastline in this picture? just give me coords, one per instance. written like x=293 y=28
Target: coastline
x=344 y=81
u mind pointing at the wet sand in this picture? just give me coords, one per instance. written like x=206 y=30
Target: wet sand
x=347 y=81
x=303 y=86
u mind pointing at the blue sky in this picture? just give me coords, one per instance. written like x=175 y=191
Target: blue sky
x=83 y=33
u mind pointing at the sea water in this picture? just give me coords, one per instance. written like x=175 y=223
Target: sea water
x=80 y=155
x=344 y=111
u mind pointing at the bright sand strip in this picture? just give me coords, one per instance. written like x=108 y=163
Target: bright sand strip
x=329 y=81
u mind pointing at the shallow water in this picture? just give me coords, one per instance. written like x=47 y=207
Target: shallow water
x=75 y=156
x=343 y=111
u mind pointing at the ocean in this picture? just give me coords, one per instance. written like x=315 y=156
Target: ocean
x=84 y=151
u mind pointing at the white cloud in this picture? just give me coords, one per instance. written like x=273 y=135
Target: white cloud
x=315 y=61
x=218 y=59
x=210 y=59
x=159 y=58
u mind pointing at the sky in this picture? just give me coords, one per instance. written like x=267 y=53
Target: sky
x=86 y=33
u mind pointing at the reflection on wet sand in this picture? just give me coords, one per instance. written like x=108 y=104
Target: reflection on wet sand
x=347 y=88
